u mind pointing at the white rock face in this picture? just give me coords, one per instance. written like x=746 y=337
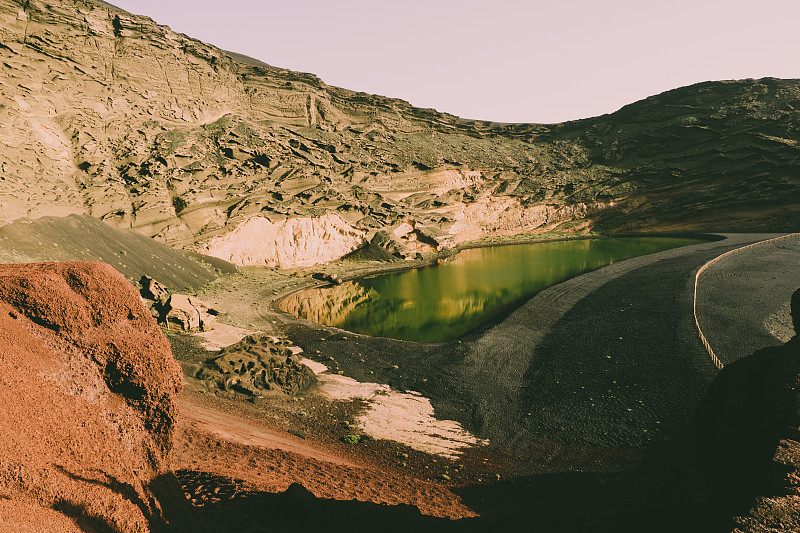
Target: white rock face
x=505 y=216
x=290 y=243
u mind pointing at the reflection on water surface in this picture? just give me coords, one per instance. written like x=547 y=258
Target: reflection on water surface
x=441 y=303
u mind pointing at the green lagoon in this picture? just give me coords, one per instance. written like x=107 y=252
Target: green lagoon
x=443 y=302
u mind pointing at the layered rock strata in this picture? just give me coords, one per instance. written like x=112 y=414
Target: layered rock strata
x=110 y=114
x=287 y=244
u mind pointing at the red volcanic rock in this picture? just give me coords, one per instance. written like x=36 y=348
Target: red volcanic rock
x=88 y=392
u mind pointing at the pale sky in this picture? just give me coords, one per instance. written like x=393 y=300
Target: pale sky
x=502 y=60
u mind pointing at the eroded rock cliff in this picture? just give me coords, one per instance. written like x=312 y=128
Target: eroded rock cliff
x=292 y=242
x=110 y=114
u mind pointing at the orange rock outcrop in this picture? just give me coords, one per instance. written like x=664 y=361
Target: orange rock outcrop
x=88 y=391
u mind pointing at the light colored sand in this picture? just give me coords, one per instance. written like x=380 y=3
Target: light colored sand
x=221 y=336
x=405 y=417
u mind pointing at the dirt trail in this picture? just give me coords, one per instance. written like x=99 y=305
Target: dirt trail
x=237 y=429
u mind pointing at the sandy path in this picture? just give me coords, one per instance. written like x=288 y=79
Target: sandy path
x=742 y=296
x=227 y=425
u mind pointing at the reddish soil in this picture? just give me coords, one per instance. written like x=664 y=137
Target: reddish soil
x=216 y=438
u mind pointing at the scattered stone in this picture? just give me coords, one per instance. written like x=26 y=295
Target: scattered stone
x=154 y=290
x=294 y=350
x=330 y=278
x=384 y=240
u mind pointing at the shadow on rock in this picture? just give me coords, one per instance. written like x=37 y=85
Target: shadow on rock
x=751 y=406
x=227 y=506
x=165 y=509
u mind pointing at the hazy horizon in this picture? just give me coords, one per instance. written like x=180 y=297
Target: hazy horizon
x=508 y=62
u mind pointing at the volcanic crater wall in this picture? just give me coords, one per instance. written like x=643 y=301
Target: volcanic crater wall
x=109 y=114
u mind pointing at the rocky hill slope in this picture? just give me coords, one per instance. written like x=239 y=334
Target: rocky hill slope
x=84 y=238
x=110 y=114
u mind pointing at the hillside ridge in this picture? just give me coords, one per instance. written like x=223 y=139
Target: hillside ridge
x=113 y=115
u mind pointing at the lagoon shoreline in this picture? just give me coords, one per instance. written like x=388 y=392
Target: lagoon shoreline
x=454 y=374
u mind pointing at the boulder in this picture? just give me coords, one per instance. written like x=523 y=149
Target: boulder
x=88 y=390
x=330 y=278
x=387 y=242
x=415 y=239
x=153 y=290
x=189 y=313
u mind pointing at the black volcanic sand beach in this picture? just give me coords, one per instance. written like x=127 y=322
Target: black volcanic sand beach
x=601 y=373
x=608 y=359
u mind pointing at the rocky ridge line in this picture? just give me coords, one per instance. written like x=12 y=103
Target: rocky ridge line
x=150 y=129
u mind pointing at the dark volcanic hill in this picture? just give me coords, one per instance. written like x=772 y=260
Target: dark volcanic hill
x=110 y=114
x=716 y=155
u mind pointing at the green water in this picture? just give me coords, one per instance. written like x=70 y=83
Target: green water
x=441 y=303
